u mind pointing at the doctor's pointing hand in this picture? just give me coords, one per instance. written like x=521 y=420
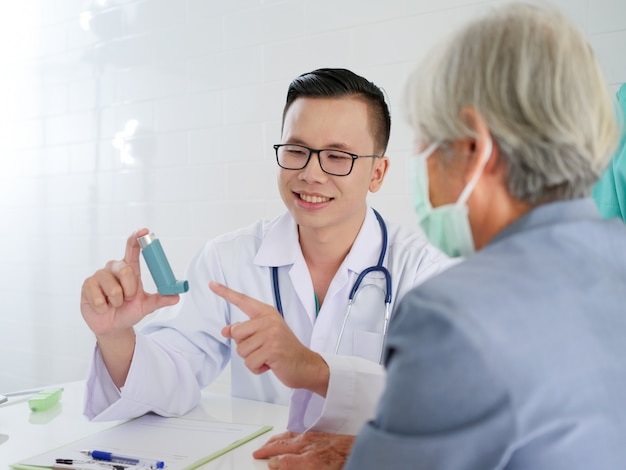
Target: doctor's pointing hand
x=266 y=342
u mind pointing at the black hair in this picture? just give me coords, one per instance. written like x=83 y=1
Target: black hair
x=335 y=83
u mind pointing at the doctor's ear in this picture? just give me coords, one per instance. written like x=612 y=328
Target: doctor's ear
x=379 y=170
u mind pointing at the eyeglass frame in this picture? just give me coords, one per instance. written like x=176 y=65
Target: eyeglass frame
x=319 y=159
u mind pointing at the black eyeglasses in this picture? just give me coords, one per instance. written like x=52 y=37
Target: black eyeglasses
x=333 y=162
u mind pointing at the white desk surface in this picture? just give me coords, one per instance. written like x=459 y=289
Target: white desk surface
x=24 y=433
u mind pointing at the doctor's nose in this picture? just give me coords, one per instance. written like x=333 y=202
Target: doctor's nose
x=313 y=169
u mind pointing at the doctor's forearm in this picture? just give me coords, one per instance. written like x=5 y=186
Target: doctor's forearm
x=117 y=354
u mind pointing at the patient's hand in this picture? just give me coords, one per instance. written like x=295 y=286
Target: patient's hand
x=308 y=451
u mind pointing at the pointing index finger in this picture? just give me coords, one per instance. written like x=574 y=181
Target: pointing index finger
x=248 y=305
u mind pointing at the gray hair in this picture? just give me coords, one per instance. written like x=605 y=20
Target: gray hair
x=534 y=79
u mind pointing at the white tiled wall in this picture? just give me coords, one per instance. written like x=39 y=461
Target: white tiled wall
x=205 y=81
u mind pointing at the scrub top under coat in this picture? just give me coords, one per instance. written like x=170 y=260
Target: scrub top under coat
x=182 y=350
x=610 y=191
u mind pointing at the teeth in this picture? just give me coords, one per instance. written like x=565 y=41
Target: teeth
x=314 y=199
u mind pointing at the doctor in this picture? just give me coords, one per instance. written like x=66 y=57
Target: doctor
x=313 y=356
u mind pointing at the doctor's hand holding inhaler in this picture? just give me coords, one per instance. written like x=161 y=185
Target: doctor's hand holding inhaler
x=113 y=301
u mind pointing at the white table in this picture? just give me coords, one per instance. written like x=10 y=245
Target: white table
x=24 y=433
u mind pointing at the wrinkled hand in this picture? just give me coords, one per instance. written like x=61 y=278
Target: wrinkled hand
x=113 y=299
x=308 y=451
x=266 y=342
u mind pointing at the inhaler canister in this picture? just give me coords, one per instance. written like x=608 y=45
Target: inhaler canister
x=159 y=267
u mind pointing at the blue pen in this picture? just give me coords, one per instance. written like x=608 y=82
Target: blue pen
x=111 y=457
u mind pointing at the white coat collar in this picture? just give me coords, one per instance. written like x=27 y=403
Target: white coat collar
x=366 y=248
x=280 y=246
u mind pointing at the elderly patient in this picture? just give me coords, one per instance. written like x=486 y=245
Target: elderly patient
x=515 y=358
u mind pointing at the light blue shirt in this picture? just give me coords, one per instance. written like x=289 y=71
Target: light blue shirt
x=514 y=359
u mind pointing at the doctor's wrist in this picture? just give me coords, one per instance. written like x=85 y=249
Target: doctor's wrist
x=317 y=375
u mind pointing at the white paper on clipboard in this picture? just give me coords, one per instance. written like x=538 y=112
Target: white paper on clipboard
x=182 y=443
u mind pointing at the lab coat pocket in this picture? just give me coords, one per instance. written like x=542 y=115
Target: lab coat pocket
x=367 y=345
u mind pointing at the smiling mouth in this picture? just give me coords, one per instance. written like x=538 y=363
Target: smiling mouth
x=313 y=199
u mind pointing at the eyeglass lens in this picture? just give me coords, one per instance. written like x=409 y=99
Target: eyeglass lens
x=295 y=157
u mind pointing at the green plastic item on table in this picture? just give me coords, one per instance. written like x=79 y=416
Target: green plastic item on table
x=45 y=399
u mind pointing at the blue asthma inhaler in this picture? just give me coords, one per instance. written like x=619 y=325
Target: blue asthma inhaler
x=159 y=267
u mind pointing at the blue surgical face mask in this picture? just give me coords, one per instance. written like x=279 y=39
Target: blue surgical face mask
x=447 y=227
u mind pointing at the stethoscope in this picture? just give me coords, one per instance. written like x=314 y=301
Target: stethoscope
x=353 y=292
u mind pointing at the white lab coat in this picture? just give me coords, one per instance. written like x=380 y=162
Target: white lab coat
x=182 y=350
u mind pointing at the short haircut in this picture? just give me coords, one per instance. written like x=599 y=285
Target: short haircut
x=338 y=83
x=533 y=77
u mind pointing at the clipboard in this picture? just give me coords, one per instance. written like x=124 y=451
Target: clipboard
x=182 y=443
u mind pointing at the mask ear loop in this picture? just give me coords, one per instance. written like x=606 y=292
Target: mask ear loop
x=429 y=150
x=465 y=194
